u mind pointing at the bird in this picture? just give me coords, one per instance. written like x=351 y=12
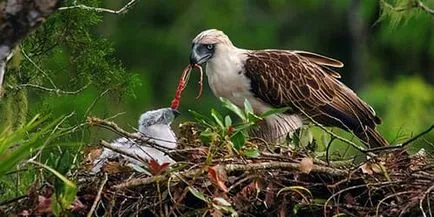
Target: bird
x=304 y=82
x=154 y=126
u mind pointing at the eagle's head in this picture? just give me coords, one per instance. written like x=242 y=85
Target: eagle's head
x=163 y=116
x=207 y=44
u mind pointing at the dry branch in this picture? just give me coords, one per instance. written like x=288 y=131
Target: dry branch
x=123 y=10
x=144 y=140
x=272 y=166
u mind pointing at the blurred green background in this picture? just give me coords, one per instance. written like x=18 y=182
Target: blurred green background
x=133 y=61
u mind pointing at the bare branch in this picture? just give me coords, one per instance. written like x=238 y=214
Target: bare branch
x=2 y=73
x=55 y=91
x=425 y=8
x=93 y=121
x=123 y=10
x=233 y=168
x=414 y=138
x=415 y=4
x=120 y=151
x=38 y=68
x=98 y=196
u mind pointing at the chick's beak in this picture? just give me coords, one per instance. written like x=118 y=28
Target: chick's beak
x=176 y=112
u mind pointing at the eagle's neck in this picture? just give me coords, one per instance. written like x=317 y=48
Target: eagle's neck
x=225 y=72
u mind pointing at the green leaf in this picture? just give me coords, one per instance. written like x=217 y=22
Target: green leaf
x=235 y=109
x=221 y=201
x=295 y=138
x=325 y=139
x=243 y=126
x=67 y=196
x=254 y=118
x=198 y=194
x=306 y=137
x=57 y=174
x=228 y=121
x=248 y=107
x=218 y=119
x=202 y=119
x=207 y=136
x=26 y=139
x=140 y=169
x=238 y=140
x=252 y=153
x=223 y=205
x=274 y=111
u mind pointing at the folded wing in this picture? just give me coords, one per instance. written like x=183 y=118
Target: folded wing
x=307 y=83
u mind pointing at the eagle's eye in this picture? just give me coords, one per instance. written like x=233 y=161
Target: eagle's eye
x=210 y=46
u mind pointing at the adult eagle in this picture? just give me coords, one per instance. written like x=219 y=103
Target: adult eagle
x=303 y=81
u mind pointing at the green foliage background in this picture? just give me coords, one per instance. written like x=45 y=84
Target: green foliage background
x=132 y=62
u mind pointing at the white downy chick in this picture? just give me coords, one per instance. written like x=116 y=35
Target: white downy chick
x=153 y=125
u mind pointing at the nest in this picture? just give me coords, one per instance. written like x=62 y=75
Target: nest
x=211 y=180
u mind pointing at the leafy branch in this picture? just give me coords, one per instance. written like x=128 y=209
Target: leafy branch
x=403 y=10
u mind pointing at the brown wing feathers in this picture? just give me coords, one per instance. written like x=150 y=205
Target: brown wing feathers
x=304 y=81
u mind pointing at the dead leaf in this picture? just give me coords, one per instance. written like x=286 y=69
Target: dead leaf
x=113 y=167
x=216 y=213
x=217 y=175
x=371 y=168
x=44 y=205
x=366 y=168
x=306 y=165
x=25 y=213
x=92 y=154
x=157 y=169
x=77 y=205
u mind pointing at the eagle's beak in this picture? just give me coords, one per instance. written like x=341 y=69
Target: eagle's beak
x=200 y=54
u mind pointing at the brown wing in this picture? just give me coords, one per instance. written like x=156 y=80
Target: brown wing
x=305 y=82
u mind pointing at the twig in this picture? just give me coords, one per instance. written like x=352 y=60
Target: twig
x=120 y=151
x=55 y=91
x=328 y=149
x=414 y=138
x=355 y=187
x=38 y=68
x=95 y=101
x=98 y=196
x=390 y=196
x=425 y=8
x=233 y=168
x=2 y=73
x=418 y=135
x=354 y=145
x=51 y=134
x=427 y=192
x=13 y=200
x=123 y=10
x=416 y=4
x=114 y=127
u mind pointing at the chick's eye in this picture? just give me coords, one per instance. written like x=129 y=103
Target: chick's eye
x=210 y=46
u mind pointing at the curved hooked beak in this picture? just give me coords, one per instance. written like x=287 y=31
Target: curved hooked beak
x=200 y=54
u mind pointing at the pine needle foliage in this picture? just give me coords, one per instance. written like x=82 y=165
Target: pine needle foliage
x=400 y=11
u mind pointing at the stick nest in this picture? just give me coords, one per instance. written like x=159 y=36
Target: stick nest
x=212 y=180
